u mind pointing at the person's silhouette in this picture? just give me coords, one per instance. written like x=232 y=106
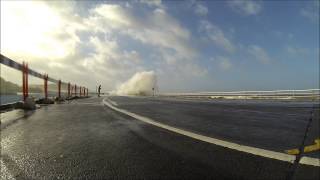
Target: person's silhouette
x=99 y=89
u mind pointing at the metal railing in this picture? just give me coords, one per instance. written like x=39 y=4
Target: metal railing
x=73 y=89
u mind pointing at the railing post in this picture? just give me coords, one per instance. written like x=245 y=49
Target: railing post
x=80 y=91
x=23 y=82
x=59 y=88
x=47 y=84
x=25 y=87
x=71 y=91
x=45 y=77
x=68 y=89
x=75 y=90
x=27 y=83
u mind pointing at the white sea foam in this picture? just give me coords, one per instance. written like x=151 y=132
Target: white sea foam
x=141 y=83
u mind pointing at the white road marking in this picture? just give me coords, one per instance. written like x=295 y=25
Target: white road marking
x=87 y=103
x=247 y=149
x=113 y=102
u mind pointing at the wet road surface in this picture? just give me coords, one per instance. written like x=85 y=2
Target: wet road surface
x=272 y=125
x=86 y=140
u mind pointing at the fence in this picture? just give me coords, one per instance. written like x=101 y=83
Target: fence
x=73 y=89
x=276 y=94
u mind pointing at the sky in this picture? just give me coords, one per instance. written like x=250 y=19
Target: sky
x=190 y=45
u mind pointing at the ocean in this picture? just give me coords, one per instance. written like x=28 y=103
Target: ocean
x=11 y=98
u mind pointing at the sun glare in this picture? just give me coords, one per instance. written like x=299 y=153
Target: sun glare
x=29 y=28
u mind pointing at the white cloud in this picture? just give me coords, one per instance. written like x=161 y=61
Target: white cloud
x=225 y=63
x=106 y=17
x=216 y=35
x=245 y=7
x=201 y=10
x=259 y=54
x=292 y=50
x=152 y=3
x=222 y=62
x=175 y=55
x=109 y=59
x=51 y=33
x=45 y=33
x=164 y=31
x=91 y=44
x=157 y=29
x=311 y=11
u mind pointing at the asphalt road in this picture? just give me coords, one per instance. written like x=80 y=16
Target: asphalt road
x=86 y=140
x=272 y=125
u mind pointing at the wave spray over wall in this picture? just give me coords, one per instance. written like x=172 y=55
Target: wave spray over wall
x=142 y=83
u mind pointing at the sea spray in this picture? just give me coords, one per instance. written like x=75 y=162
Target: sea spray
x=142 y=83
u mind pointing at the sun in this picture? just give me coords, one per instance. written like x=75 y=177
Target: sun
x=29 y=28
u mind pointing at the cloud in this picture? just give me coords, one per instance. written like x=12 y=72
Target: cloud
x=171 y=42
x=44 y=29
x=292 y=50
x=51 y=43
x=157 y=29
x=225 y=63
x=91 y=46
x=216 y=35
x=245 y=7
x=259 y=54
x=311 y=11
x=152 y=3
x=107 y=17
x=110 y=61
x=164 y=31
x=296 y=51
x=222 y=62
x=200 y=10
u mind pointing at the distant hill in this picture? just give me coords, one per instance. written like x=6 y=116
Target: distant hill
x=7 y=87
x=38 y=88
